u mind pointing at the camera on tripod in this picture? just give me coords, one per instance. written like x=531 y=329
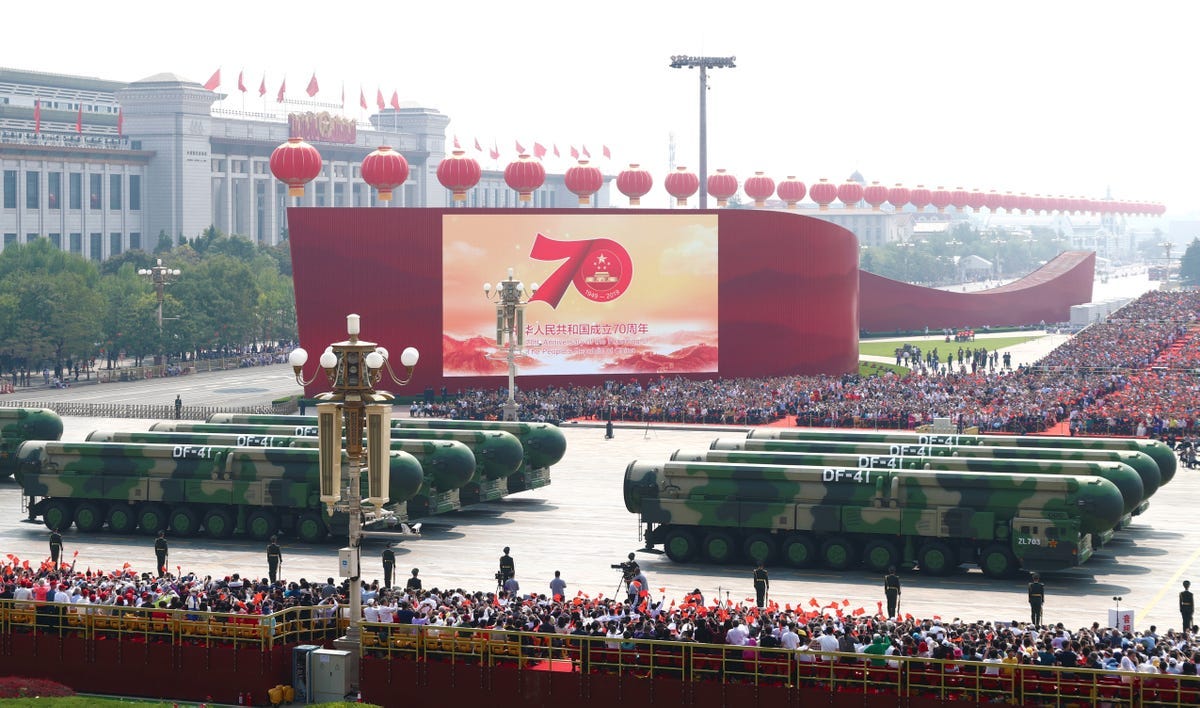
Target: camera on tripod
x=628 y=568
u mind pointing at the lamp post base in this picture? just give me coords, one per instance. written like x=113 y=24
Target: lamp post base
x=510 y=410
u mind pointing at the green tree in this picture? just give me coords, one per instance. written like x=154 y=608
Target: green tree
x=1189 y=264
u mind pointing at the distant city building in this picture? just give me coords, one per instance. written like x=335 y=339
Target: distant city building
x=101 y=167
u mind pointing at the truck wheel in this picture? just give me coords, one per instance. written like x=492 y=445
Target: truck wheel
x=879 y=555
x=759 y=547
x=680 y=545
x=89 y=517
x=121 y=518
x=837 y=552
x=262 y=524
x=218 y=523
x=799 y=550
x=152 y=518
x=936 y=558
x=997 y=561
x=58 y=514
x=184 y=521
x=719 y=547
x=310 y=527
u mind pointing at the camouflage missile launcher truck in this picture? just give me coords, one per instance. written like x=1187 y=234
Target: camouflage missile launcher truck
x=724 y=513
x=1143 y=464
x=1163 y=455
x=190 y=489
x=497 y=454
x=20 y=424
x=543 y=443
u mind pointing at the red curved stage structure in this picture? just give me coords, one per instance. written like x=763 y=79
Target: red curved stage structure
x=1045 y=295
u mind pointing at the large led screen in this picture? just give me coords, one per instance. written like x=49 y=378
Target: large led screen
x=619 y=293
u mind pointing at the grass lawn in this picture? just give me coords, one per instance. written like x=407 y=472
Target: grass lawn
x=875 y=368
x=888 y=348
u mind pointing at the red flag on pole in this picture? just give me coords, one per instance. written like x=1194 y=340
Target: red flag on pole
x=478 y=147
x=604 y=149
x=120 y=123
x=495 y=153
x=37 y=124
x=556 y=150
x=343 y=95
x=241 y=81
x=282 y=91
x=395 y=100
x=539 y=150
x=79 y=120
x=456 y=145
x=519 y=146
x=362 y=98
x=379 y=99
x=262 y=87
x=574 y=152
x=213 y=81
x=585 y=152
x=312 y=86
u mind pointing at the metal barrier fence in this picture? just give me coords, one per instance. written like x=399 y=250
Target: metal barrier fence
x=126 y=410
x=946 y=680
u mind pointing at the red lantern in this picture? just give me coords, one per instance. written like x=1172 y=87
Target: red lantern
x=385 y=169
x=525 y=174
x=458 y=173
x=791 y=191
x=295 y=163
x=875 y=195
x=584 y=180
x=958 y=199
x=823 y=193
x=722 y=185
x=920 y=197
x=993 y=201
x=634 y=183
x=760 y=188
x=976 y=199
x=1025 y=203
x=1011 y=203
x=940 y=199
x=898 y=196
x=681 y=184
x=850 y=193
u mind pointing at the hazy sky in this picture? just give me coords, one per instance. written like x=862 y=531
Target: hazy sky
x=1056 y=97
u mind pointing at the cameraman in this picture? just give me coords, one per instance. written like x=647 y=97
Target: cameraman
x=638 y=584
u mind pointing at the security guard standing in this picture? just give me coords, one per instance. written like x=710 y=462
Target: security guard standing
x=55 y=547
x=761 y=584
x=891 y=590
x=274 y=559
x=414 y=583
x=1037 y=595
x=508 y=567
x=1186 y=605
x=160 y=553
x=389 y=564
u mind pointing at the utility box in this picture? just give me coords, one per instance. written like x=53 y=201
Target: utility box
x=330 y=675
x=302 y=671
x=348 y=562
x=943 y=426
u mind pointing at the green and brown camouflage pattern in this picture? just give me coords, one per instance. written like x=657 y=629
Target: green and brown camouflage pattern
x=1123 y=477
x=1156 y=449
x=941 y=517
x=543 y=443
x=1143 y=464
x=139 y=479
x=20 y=424
x=497 y=454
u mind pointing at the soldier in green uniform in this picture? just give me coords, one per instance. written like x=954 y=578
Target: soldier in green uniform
x=414 y=583
x=508 y=567
x=761 y=584
x=389 y=564
x=274 y=559
x=160 y=553
x=1037 y=595
x=55 y=547
x=891 y=590
x=1186 y=605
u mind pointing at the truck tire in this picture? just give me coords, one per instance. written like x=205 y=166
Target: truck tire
x=837 y=553
x=997 y=561
x=218 y=523
x=89 y=517
x=262 y=524
x=680 y=545
x=121 y=518
x=58 y=514
x=759 y=547
x=152 y=518
x=185 y=521
x=880 y=554
x=719 y=547
x=936 y=558
x=799 y=550
x=311 y=528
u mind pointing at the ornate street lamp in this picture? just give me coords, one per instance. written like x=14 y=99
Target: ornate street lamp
x=161 y=276
x=680 y=61
x=354 y=406
x=511 y=299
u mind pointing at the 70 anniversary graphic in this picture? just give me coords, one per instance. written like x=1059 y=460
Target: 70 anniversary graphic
x=615 y=296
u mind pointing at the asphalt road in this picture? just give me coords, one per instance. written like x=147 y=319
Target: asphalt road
x=579 y=525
